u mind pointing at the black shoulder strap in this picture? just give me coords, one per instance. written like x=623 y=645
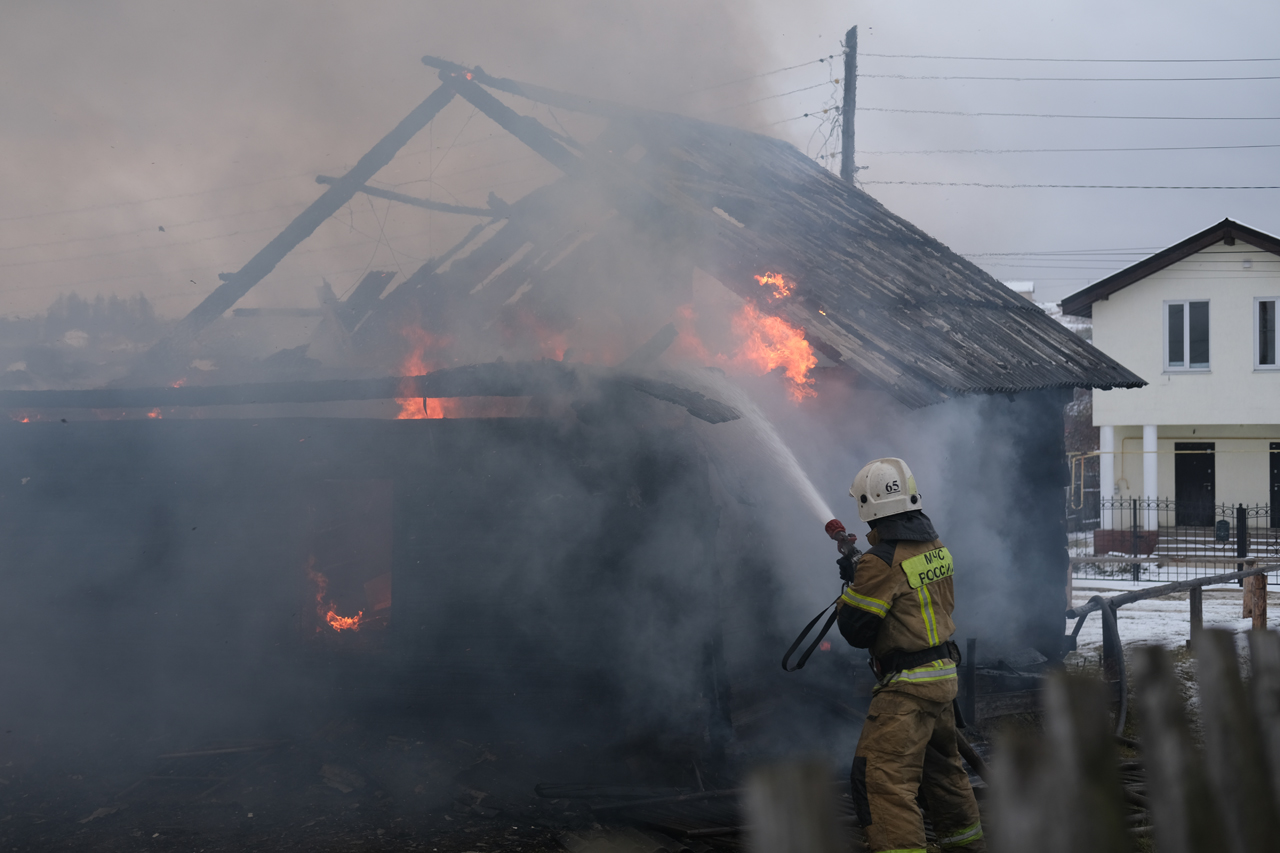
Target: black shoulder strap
x=884 y=551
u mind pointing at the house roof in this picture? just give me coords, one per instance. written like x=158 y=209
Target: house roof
x=873 y=292
x=1081 y=302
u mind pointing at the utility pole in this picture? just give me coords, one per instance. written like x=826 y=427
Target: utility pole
x=847 y=167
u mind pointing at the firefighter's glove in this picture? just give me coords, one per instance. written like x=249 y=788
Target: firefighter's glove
x=847 y=565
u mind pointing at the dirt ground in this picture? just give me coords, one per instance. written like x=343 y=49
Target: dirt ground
x=344 y=790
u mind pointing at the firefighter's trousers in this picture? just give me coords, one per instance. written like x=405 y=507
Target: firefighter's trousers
x=908 y=747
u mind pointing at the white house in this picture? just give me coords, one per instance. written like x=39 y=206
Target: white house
x=1197 y=321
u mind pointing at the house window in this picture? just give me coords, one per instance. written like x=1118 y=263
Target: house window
x=1264 y=332
x=1186 y=336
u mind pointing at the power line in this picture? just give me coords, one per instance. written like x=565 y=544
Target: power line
x=152 y=298
x=236 y=215
x=228 y=235
x=1092 y=268
x=1069 y=150
x=763 y=74
x=196 y=193
x=1066 y=186
x=1044 y=59
x=772 y=97
x=1131 y=251
x=813 y=114
x=989 y=59
x=1029 y=263
x=149 y=200
x=1140 y=250
x=1064 y=79
x=163 y=274
x=1068 y=115
x=132 y=249
x=1102 y=264
x=149 y=230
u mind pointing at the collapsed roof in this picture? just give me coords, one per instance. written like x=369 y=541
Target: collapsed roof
x=873 y=293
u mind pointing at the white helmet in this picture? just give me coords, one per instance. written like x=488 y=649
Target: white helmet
x=885 y=487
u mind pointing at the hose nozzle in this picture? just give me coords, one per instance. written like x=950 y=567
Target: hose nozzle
x=844 y=539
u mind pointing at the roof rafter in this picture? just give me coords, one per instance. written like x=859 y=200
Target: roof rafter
x=424 y=203
x=527 y=129
x=234 y=287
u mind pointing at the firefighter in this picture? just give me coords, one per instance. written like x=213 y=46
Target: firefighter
x=898 y=605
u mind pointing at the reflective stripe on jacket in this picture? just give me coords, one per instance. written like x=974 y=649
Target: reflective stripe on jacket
x=912 y=605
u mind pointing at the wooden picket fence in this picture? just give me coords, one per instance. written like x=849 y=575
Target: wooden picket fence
x=1066 y=791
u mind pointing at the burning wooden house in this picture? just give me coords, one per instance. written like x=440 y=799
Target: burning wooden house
x=510 y=498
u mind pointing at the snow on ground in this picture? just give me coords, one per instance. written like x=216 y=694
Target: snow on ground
x=1164 y=621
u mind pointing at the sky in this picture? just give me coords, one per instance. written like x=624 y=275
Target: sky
x=1008 y=231
x=210 y=121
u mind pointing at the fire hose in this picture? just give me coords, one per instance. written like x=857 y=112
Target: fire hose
x=845 y=545
x=1110 y=640
x=1111 y=636
x=1111 y=630
x=831 y=620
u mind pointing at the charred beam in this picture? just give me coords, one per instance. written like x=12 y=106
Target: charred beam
x=700 y=406
x=496 y=379
x=425 y=204
x=363 y=298
x=651 y=349
x=527 y=129
x=241 y=282
x=397 y=299
x=655 y=207
x=540 y=94
x=477 y=380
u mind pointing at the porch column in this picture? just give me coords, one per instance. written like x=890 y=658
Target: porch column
x=1107 y=475
x=1150 y=490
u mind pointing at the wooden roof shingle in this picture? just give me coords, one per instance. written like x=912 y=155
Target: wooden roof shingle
x=874 y=292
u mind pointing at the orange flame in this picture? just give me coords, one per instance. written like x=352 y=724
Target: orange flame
x=329 y=614
x=781 y=285
x=421 y=408
x=155 y=414
x=342 y=623
x=770 y=342
x=416 y=364
x=179 y=383
x=553 y=346
x=764 y=343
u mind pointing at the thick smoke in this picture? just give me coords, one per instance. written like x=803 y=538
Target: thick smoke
x=991 y=476
x=607 y=569
x=223 y=115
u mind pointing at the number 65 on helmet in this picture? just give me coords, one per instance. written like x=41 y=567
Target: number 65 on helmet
x=885 y=487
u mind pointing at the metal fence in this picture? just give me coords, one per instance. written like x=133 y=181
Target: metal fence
x=1171 y=540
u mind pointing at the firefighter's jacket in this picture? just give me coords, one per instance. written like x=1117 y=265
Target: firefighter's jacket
x=900 y=601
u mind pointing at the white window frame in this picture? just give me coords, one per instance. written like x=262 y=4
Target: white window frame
x=1186 y=337
x=1257 y=334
